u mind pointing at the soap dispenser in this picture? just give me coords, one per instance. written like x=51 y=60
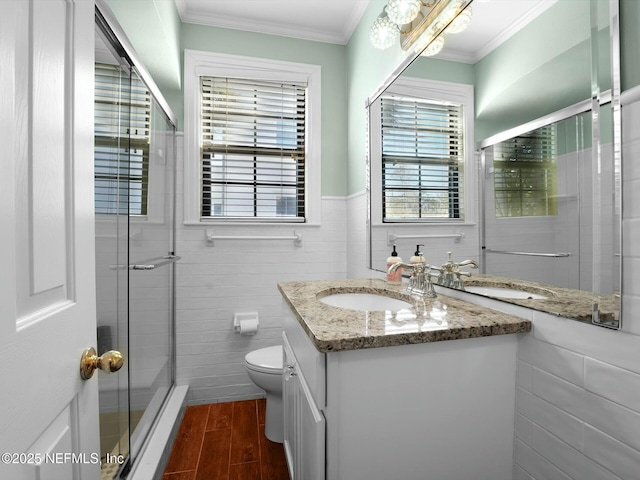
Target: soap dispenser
x=395 y=276
x=417 y=256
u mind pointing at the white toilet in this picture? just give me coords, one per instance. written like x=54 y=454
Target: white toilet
x=265 y=370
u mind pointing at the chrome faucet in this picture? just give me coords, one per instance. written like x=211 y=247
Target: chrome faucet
x=451 y=275
x=420 y=280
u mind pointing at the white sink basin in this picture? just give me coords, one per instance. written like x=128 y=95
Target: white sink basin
x=504 y=292
x=364 y=301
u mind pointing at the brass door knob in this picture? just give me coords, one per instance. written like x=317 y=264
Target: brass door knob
x=108 y=362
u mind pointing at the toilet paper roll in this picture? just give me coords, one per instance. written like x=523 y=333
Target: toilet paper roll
x=248 y=327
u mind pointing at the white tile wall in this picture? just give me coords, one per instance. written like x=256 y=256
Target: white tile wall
x=631 y=218
x=578 y=401
x=578 y=412
x=214 y=282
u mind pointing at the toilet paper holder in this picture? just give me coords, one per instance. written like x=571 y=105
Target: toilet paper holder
x=242 y=320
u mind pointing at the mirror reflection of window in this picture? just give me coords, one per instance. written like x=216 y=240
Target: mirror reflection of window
x=422 y=159
x=526 y=174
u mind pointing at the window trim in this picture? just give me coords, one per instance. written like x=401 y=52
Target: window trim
x=437 y=91
x=199 y=63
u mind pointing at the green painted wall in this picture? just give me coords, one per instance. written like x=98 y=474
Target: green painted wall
x=331 y=59
x=367 y=69
x=442 y=70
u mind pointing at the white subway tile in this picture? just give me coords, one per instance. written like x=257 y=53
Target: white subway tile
x=564 y=395
x=536 y=465
x=553 y=359
x=567 y=459
x=613 y=419
x=609 y=346
x=523 y=428
x=524 y=374
x=616 y=384
x=613 y=455
x=558 y=422
x=520 y=474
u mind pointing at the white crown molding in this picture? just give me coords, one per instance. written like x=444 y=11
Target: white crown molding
x=498 y=40
x=455 y=56
x=271 y=28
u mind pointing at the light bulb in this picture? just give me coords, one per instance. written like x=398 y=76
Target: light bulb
x=434 y=47
x=383 y=32
x=461 y=22
x=403 y=11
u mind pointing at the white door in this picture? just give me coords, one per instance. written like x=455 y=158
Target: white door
x=48 y=415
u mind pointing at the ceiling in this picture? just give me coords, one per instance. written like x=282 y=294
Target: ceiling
x=334 y=21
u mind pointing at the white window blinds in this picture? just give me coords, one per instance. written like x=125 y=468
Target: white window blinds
x=422 y=160
x=252 y=149
x=525 y=174
x=121 y=152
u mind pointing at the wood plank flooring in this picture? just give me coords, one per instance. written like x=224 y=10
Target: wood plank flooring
x=225 y=441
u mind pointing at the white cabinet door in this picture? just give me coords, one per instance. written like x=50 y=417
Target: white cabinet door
x=48 y=415
x=305 y=425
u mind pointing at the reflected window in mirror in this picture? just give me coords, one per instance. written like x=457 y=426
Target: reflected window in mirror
x=421 y=151
x=422 y=159
x=526 y=174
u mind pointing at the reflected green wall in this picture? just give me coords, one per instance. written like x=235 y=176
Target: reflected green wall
x=630 y=43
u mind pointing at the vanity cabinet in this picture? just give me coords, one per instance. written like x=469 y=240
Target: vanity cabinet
x=304 y=423
x=437 y=410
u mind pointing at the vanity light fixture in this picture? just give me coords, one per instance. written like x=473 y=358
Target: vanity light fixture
x=384 y=32
x=461 y=21
x=434 y=48
x=403 y=11
x=419 y=23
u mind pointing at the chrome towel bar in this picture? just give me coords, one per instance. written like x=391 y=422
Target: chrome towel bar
x=392 y=237
x=530 y=254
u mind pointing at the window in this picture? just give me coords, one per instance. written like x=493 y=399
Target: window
x=121 y=152
x=421 y=154
x=422 y=159
x=525 y=174
x=252 y=139
x=252 y=144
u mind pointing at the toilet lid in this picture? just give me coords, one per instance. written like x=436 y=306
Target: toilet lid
x=268 y=360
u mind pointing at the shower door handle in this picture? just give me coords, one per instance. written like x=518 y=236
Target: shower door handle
x=108 y=362
x=155 y=262
x=148 y=264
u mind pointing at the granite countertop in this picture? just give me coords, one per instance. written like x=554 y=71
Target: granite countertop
x=428 y=320
x=561 y=301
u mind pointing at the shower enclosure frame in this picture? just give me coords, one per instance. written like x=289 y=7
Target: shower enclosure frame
x=107 y=23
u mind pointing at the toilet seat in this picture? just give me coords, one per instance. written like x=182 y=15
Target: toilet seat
x=265 y=360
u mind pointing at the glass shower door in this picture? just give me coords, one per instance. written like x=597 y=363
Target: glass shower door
x=151 y=279
x=134 y=204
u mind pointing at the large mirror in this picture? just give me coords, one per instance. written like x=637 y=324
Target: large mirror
x=503 y=150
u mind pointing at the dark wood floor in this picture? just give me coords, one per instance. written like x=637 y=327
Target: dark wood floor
x=225 y=441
